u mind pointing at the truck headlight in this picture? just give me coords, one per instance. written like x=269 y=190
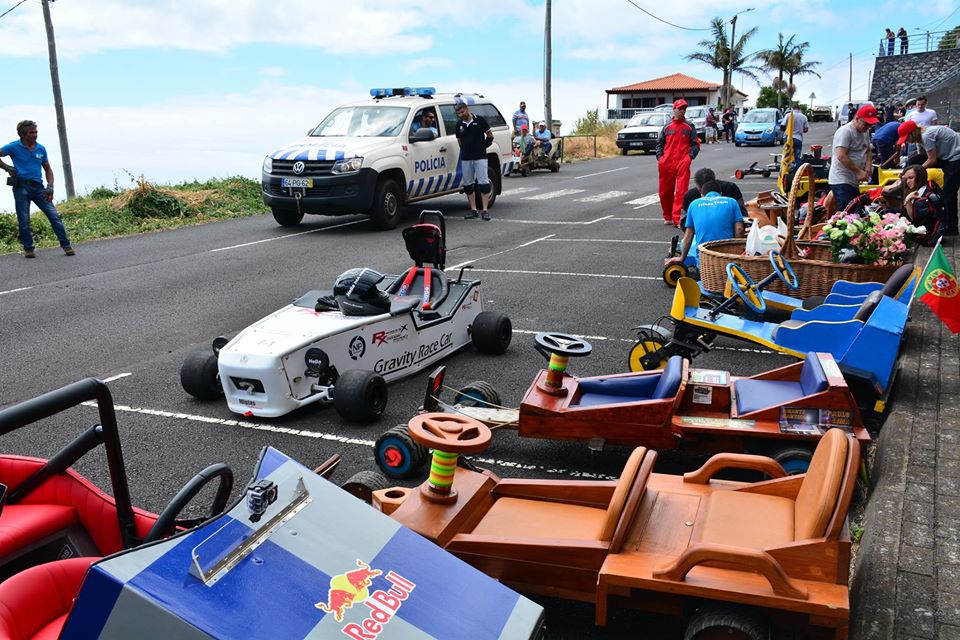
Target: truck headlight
x=349 y=165
x=268 y=164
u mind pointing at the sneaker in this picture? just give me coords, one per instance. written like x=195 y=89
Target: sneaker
x=471 y=215
x=28 y=253
x=485 y=216
x=69 y=251
x=668 y=222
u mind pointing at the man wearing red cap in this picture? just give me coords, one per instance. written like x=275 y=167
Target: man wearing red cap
x=852 y=157
x=942 y=146
x=677 y=147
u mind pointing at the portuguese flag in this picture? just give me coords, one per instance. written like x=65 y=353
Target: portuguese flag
x=939 y=290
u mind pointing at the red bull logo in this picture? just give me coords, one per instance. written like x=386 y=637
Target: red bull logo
x=353 y=587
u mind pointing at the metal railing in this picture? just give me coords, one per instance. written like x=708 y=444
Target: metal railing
x=919 y=41
x=626 y=114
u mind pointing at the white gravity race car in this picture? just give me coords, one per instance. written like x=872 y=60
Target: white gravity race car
x=343 y=346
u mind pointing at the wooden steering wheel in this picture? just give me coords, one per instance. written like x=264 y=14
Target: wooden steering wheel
x=745 y=288
x=450 y=432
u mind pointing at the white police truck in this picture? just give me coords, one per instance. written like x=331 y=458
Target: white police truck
x=372 y=157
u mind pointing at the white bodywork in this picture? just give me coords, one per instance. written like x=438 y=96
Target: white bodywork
x=272 y=349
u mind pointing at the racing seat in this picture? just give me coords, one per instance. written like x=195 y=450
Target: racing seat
x=844 y=292
x=34 y=603
x=426 y=244
x=754 y=395
x=825 y=312
x=659 y=386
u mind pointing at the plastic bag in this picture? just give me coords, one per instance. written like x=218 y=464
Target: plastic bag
x=761 y=240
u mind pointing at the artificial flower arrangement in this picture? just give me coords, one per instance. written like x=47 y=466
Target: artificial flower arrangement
x=874 y=238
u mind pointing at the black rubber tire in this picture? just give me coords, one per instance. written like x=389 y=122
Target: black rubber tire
x=200 y=376
x=728 y=622
x=673 y=272
x=478 y=394
x=360 y=395
x=737 y=143
x=794 y=460
x=524 y=171
x=491 y=332
x=387 y=204
x=650 y=338
x=286 y=217
x=624 y=151
x=765 y=174
x=398 y=455
x=496 y=179
x=554 y=166
x=362 y=484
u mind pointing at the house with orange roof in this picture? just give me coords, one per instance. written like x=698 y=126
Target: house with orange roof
x=632 y=98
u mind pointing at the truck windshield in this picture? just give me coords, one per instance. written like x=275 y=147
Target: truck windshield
x=363 y=122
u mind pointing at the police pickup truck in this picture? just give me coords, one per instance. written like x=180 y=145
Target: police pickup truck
x=374 y=157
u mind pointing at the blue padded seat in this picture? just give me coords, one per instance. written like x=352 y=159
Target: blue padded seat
x=753 y=395
x=633 y=388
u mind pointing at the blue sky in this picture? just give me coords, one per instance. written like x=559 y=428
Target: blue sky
x=183 y=89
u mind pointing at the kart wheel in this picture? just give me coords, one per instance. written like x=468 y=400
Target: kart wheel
x=478 y=394
x=765 y=174
x=673 y=272
x=491 y=332
x=360 y=395
x=554 y=166
x=286 y=217
x=525 y=171
x=398 y=455
x=387 y=204
x=363 y=483
x=738 y=174
x=728 y=622
x=640 y=350
x=794 y=460
x=200 y=376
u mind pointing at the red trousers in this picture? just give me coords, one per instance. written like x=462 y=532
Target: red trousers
x=674 y=182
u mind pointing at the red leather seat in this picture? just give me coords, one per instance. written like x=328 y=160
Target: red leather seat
x=34 y=603
x=24 y=524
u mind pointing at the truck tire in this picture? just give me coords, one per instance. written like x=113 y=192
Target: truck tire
x=493 y=172
x=286 y=217
x=387 y=204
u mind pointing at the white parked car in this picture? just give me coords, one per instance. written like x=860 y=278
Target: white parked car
x=642 y=132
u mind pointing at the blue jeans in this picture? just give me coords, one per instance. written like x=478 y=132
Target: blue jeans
x=22 y=196
x=843 y=194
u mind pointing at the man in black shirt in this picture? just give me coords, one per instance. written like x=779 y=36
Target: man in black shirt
x=474 y=136
x=702 y=177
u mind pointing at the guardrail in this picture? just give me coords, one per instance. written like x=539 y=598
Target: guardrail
x=585 y=136
x=919 y=41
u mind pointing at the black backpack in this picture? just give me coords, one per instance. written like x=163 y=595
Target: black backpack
x=929 y=211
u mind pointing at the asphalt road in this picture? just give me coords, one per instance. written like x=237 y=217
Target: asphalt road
x=579 y=251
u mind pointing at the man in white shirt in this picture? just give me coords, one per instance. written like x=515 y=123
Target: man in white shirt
x=921 y=115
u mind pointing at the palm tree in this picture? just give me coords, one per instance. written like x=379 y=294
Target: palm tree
x=797 y=66
x=777 y=60
x=715 y=51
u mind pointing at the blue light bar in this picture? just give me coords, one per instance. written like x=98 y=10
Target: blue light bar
x=419 y=91
x=381 y=93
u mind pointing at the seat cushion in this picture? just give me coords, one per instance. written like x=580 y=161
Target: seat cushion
x=818 y=495
x=23 y=524
x=753 y=395
x=670 y=379
x=35 y=602
x=615 y=390
x=748 y=520
x=517 y=517
x=896 y=280
x=812 y=377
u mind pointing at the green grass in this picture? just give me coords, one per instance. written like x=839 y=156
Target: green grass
x=108 y=213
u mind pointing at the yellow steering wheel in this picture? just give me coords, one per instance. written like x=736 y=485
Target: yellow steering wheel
x=745 y=288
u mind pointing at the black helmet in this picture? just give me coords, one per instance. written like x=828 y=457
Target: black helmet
x=357 y=293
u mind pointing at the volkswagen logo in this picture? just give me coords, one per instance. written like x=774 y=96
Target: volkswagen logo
x=298 y=167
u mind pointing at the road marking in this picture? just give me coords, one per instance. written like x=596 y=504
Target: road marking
x=590 y=175
x=600 y=197
x=602 y=240
x=550 y=195
x=469 y=262
x=632 y=340
x=644 y=201
x=289 y=235
x=513 y=192
x=317 y=435
x=15 y=290
x=116 y=377
x=566 y=273
x=640 y=219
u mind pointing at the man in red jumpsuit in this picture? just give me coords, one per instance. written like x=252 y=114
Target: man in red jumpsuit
x=677 y=147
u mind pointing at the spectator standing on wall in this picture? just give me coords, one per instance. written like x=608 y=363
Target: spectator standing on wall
x=902 y=34
x=890 y=39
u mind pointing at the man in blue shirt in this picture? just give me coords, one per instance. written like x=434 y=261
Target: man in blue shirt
x=542 y=134
x=712 y=217
x=29 y=156
x=885 y=139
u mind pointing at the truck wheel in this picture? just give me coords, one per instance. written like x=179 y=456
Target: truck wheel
x=387 y=204
x=493 y=172
x=478 y=394
x=623 y=151
x=363 y=483
x=398 y=455
x=360 y=395
x=730 y=622
x=286 y=217
x=200 y=376
x=491 y=332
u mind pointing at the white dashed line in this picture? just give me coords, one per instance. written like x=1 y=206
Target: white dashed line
x=289 y=235
x=590 y=175
x=566 y=273
x=600 y=197
x=550 y=195
x=644 y=201
x=470 y=262
x=602 y=240
x=2 y=293
x=632 y=340
x=518 y=190
x=116 y=377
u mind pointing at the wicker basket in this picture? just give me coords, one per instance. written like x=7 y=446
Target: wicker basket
x=816 y=271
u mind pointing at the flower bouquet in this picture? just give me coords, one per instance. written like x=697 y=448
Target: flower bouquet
x=874 y=238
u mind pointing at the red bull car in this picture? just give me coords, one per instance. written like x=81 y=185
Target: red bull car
x=343 y=346
x=293 y=557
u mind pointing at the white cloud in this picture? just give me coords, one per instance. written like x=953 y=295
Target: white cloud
x=273 y=72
